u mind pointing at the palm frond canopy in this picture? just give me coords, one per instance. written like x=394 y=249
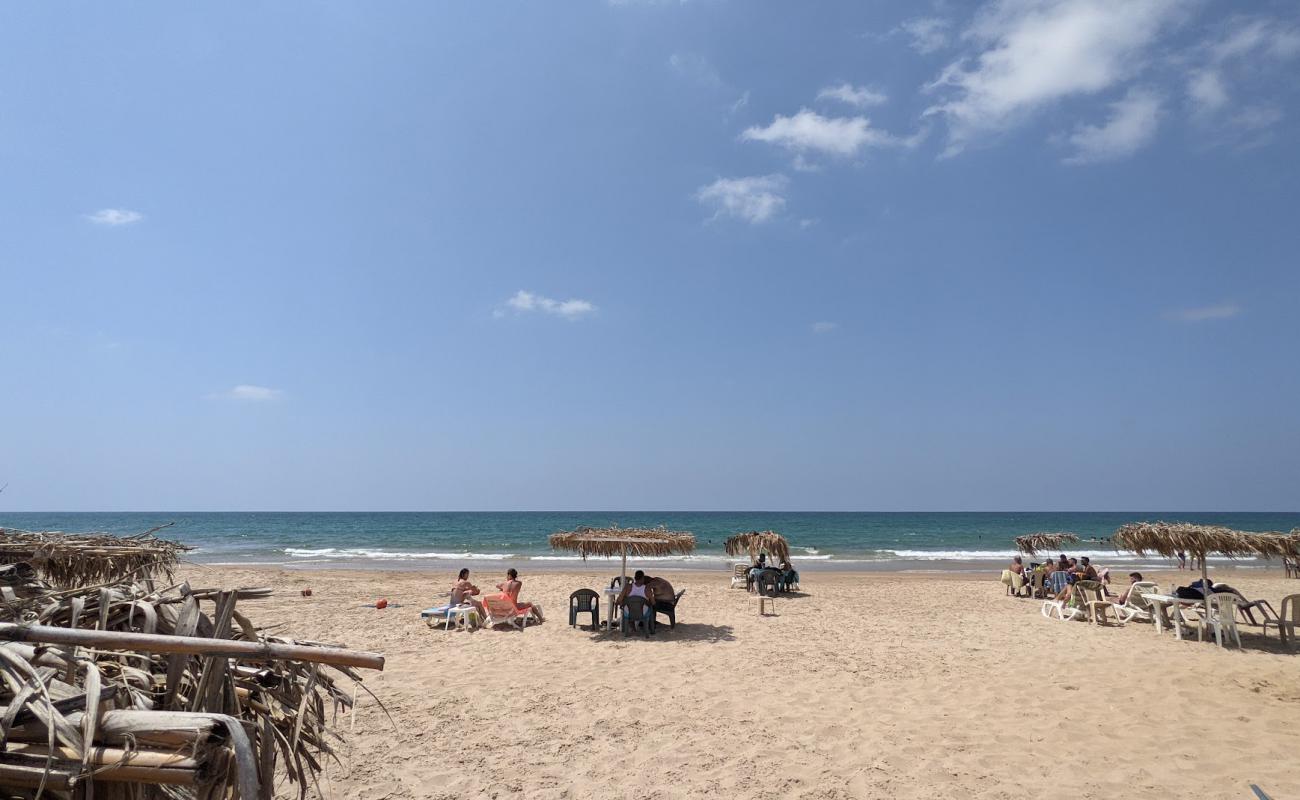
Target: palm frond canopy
x=67 y=560
x=1170 y=538
x=755 y=542
x=616 y=541
x=1031 y=543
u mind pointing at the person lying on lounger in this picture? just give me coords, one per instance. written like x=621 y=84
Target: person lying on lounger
x=1133 y=577
x=510 y=590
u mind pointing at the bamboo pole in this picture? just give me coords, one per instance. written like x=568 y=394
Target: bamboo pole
x=157 y=643
x=108 y=756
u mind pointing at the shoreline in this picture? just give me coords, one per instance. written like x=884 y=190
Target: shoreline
x=711 y=565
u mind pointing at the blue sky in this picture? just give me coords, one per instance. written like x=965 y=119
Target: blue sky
x=1022 y=254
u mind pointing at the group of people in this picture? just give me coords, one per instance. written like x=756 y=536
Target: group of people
x=784 y=576
x=652 y=590
x=464 y=592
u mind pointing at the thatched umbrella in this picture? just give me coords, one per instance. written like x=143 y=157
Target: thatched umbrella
x=1170 y=538
x=613 y=541
x=1031 y=543
x=755 y=542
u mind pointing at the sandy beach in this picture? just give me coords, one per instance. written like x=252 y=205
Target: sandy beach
x=873 y=685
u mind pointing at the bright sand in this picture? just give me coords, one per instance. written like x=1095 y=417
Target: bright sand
x=865 y=686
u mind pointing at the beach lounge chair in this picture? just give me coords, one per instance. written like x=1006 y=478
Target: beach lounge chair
x=1291 y=568
x=739 y=576
x=1288 y=621
x=1092 y=596
x=1136 y=606
x=1221 y=615
x=447 y=614
x=791 y=585
x=669 y=609
x=1073 y=609
x=1057 y=581
x=500 y=611
x=634 y=609
x=584 y=601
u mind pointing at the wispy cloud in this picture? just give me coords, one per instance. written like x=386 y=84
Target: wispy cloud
x=1245 y=49
x=527 y=302
x=1032 y=53
x=810 y=132
x=1131 y=125
x=927 y=34
x=824 y=327
x=255 y=394
x=1204 y=313
x=697 y=69
x=115 y=216
x=856 y=96
x=754 y=199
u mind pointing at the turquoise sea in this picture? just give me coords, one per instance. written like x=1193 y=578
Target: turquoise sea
x=856 y=540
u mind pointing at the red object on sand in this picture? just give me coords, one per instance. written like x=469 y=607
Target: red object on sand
x=306 y=592
x=381 y=603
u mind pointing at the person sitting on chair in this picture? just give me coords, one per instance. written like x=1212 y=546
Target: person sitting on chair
x=789 y=577
x=462 y=590
x=510 y=590
x=638 y=587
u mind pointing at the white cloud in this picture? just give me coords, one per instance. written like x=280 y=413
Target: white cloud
x=696 y=68
x=259 y=394
x=741 y=102
x=115 y=216
x=1204 y=313
x=754 y=199
x=1207 y=90
x=1037 y=52
x=928 y=34
x=856 y=96
x=808 y=131
x=524 y=301
x=1246 y=47
x=824 y=327
x=1132 y=124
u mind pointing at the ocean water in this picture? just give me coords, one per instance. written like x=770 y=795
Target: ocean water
x=863 y=540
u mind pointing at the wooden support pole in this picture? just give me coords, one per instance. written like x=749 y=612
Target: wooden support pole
x=157 y=643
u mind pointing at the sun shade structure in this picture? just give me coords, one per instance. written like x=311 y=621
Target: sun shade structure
x=67 y=560
x=755 y=542
x=1031 y=543
x=1170 y=538
x=616 y=541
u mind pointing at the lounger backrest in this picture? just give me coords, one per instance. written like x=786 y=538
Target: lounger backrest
x=1058 y=581
x=740 y=570
x=1135 y=592
x=499 y=607
x=1088 y=590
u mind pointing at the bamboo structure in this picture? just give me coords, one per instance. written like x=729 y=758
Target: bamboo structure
x=1031 y=543
x=137 y=689
x=613 y=541
x=755 y=542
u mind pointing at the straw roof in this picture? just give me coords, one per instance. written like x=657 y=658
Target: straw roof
x=1031 y=543
x=68 y=560
x=614 y=541
x=755 y=542
x=1169 y=538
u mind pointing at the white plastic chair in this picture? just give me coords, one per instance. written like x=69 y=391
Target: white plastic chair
x=1288 y=622
x=739 y=574
x=1221 y=615
x=1135 y=605
x=1090 y=592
